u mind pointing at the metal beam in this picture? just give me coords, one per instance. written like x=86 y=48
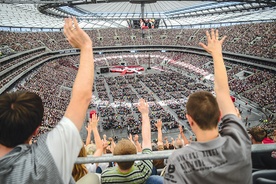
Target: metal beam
x=124 y=158
x=255 y=149
x=109 y=1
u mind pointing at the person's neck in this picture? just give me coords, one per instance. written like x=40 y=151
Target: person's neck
x=206 y=135
x=4 y=150
x=256 y=142
x=124 y=170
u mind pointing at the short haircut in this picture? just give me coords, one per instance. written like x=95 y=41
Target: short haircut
x=90 y=149
x=125 y=147
x=21 y=114
x=258 y=133
x=178 y=143
x=202 y=106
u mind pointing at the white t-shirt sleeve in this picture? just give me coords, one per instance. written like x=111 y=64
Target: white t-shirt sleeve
x=91 y=168
x=64 y=143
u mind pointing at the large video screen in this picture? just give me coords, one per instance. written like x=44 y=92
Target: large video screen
x=146 y=23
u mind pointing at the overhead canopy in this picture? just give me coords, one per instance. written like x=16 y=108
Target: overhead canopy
x=171 y=14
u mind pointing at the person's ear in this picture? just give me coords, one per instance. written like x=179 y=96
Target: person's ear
x=29 y=140
x=220 y=116
x=190 y=119
x=36 y=131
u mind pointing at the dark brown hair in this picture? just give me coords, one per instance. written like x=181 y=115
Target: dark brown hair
x=257 y=133
x=203 y=108
x=20 y=115
x=125 y=147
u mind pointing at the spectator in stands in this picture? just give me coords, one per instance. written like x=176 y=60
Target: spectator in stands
x=214 y=153
x=136 y=142
x=130 y=172
x=92 y=127
x=259 y=136
x=159 y=164
x=21 y=115
x=184 y=138
x=80 y=170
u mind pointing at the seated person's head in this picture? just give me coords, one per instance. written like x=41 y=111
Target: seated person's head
x=90 y=149
x=125 y=147
x=257 y=135
x=203 y=109
x=21 y=114
x=171 y=146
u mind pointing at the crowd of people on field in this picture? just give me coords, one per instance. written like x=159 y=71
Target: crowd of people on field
x=167 y=86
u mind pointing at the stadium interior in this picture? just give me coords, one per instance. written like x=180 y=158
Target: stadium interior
x=142 y=49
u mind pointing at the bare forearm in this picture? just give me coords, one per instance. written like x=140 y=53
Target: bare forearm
x=221 y=86
x=97 y=138
x=85 y=76
x=138 y=146
x=167 y=143
x=221 y=79
x=146 y=131
x=88 y=138
x=82 y=89
x=98 y=142
x=186 y=141
x=159 y=136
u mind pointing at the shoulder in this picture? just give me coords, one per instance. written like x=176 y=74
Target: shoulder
x=231 y=120
x=231 y=117
x=65 y=128
x=110 y=171
x=178 y=152
x=231 y=124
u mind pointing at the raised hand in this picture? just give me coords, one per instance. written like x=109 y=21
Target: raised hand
x=75 y=35
x=88 y=128
x=104 y=137
x=214 y=44
x=158 y=124
x=143 y=106
x=94 y=121
x=180 y=129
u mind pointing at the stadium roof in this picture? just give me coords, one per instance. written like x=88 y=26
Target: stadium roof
x=116 y=13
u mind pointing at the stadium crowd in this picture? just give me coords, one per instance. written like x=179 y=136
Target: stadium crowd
x=258 y=42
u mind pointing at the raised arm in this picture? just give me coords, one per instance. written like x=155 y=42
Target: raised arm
x=158 y=125
x=214 y=47
x=94 y=126
x=130 y=138
x=82 y=88
x=88 y=138
x=173 y=142
x=136 y=143
x=186 y=141
x=112 y=144
x=146 y=130
x=166 y=142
